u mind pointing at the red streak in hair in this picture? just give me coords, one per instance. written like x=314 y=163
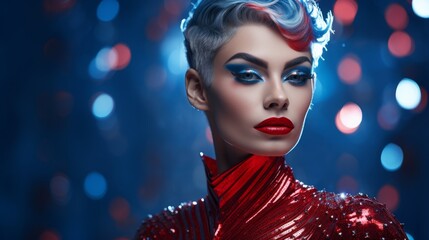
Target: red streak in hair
x=300 y=44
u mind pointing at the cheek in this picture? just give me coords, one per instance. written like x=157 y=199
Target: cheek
x=231 y=106
x=301 y=102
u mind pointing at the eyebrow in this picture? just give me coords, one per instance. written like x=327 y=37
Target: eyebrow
x=257 y=61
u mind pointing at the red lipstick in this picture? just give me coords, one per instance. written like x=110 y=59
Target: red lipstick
x=275 y=126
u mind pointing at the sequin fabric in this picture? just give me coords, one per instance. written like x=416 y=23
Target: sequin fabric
x=260 y=199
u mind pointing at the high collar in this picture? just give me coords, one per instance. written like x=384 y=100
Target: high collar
x=251 y=184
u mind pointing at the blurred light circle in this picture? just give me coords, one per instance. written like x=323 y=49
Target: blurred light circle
x=122 y=56
x=388 y=116
x=400 y=44
x=345 y=11
x=408 y=94
x=423 y=102
x=58 y=5
x=103 y=106
x=105 y=59
x=392 y=157
x=95 y=72
x=390 y=196
x=349 y=118
x=60 y=187
x=107 y=10
x=155 y=77
x=396 y=16
x=349 y=70
x=409 y=236
x=95 y=185
x=421 y=8
x=119 y=209
x=347 y=184
x=177 y=61
x=49 y=235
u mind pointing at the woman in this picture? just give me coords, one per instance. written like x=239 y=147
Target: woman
x=251 y=72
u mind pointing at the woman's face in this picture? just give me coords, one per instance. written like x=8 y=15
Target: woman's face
x=260 y=92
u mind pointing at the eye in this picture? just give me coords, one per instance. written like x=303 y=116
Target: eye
x=247 y=76
x=297 y=77
x=244 y=74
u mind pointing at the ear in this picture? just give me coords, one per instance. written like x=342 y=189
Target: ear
x=195 y=90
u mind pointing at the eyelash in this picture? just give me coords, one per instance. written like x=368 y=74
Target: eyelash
x=300 y=77
x=248 y=76
x=243 y=76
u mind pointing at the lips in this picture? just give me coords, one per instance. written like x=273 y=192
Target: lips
x=275 y=126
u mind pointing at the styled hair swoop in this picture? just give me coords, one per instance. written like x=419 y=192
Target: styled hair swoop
x=211 y=23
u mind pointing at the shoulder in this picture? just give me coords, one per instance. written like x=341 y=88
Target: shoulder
x=360 y=217
x=171 y=223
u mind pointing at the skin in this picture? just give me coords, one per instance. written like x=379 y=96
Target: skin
x=234 y=108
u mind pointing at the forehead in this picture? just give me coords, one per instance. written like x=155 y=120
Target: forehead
x=261 y=41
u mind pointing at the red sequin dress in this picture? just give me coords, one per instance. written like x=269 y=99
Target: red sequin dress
x=259 y=198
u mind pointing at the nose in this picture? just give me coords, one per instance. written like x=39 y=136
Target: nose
x=276 y=97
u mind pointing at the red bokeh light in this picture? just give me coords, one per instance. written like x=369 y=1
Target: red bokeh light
x=349 y=118
x=388 y=116
x=347 y=184
x=349 y=70
x=345 y=11
x=400 y=44
x=56 y=6
x=396 y=17
x=390 y=196
x=49 y=235
x=123 y=56
x=119 y=209
x=423 y=102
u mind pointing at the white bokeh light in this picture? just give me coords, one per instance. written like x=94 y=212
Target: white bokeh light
x=408 y=94
x=349 y=118
x=421 y=8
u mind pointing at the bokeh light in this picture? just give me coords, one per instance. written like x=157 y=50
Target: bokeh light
x=349 y=70
x=174 y=55
x=105 y=59
x=345 y=11
x=392 y=157
x=390 y=196
x=121 y=56
x=56 y=6
x=103 y=105
x=49 y=235
x=388 y=116
x=349 y=118
x=408 y=94
x=107 y=10
x=423 y=102
x=347 y=184
x=396 y=16
x=95 y=185
x=421 y=8
x=64 y=103
x=119 y=209
x=409 y=236
x=60 y=187
x=95 y=72
x=400 y=44
x=156 y=77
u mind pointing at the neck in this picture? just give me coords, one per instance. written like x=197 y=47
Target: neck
x=227 y=155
